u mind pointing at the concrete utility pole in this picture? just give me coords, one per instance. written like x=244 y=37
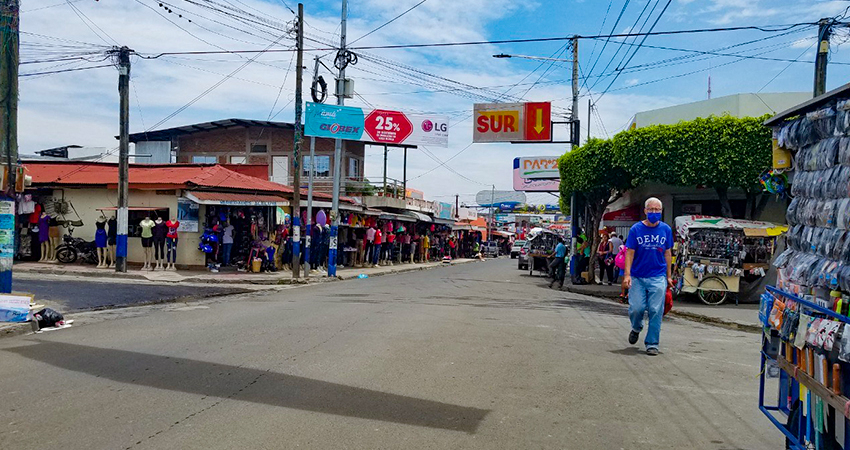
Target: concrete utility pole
x=296 y=154
x=384 y=192
x=404 y=176
x=308 y=225
x=340 y=100
x=824 y=33
x=575 y=129
x=457 y=206
x=9 y=62
x=589 y=109
x=123 y=158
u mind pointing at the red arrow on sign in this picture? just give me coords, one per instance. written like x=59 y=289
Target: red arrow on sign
x=538 y=121
x=391 y=127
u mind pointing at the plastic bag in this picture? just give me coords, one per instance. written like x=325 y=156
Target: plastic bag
x=812 y=331
x=802 y=327
x=844 y=345
x=775 y=318
x=47 y=318
x=765 y=307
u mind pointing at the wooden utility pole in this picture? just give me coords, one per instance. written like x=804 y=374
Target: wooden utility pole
x=822 y=57
x=9 y=61
x=296 y=154
x=338 y=144
x=123 y=158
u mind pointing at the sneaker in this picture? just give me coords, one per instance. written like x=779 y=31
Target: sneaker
x=633 y=337
x=652 y=351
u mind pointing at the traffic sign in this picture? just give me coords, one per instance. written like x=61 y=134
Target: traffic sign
x=389 y=127
x=512 y=122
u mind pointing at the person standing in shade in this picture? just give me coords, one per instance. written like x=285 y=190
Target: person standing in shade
x=227 y=243
x=558 y=267
x=648 y=265
x=614 y=245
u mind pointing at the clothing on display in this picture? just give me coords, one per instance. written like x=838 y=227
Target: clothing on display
x=100 y=236
x=147 y=232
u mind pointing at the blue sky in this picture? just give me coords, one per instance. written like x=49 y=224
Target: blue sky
x=81 y=107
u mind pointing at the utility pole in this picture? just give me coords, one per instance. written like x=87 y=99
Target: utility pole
x=123 y=158
x=384 y=193
x=492 y=218
x=589 y=109
x=296 y=154
x=340 y=100
x=824 y=33
x=457 y=206
x=308 y=225
x=575 y=129
x=404 y=176
x=9 y=63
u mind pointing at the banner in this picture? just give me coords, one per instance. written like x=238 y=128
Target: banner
x=378 y=125
x=14 y=308
x=532 y=185
x=187 y=215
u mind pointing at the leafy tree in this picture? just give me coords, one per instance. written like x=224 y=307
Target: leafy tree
x=719 y=152
x=591 y=172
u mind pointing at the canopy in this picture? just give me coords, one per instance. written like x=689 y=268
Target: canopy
x=418 y=216
x=234 y=199
x=749 y=227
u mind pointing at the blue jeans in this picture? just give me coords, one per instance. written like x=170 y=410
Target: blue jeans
x=226 y=256
x=647 y=294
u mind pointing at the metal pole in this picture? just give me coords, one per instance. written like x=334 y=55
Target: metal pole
x=576 y=139
x=490 y=222
x=308 y=225
x=296 y=164
x=384 y=193
x=123 y=159
x=340 y=100
x=821 y=60
x=9 y=64
x=404 y=176
x=589 y=109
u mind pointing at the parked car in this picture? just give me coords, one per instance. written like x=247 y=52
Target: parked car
x=516 y=247
x=523 y=257
x=490 y=249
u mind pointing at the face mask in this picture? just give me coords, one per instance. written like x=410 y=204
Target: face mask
x=653 y=217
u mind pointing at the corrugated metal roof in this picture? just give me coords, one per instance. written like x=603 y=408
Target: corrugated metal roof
x=168 y=133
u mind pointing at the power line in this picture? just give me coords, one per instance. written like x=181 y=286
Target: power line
x=607 y=40
x=32 y=74
x=389 y=22
x=84 y=18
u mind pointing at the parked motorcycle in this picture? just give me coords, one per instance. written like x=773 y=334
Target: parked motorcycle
x=76 y=248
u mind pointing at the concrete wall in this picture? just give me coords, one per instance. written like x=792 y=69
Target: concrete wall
x=739 y=105
x=86 y=201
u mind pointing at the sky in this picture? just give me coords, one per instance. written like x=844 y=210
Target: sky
x=81 y=106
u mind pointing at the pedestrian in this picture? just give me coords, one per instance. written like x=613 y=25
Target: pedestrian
x=648 y=265
x=558 y=267
x=582 y=258
x=614 y=244
x=606 y=262
x=227 y=243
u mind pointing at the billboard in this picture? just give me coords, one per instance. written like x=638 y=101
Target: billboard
x=539 y=167
x=495 y=198
x=377 y=125
x=512 y=122
x=533 y=185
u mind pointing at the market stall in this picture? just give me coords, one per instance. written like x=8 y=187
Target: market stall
x=541 y=247
x=714 y=254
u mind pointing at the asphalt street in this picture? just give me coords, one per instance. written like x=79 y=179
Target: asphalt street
x=470 y=356
x=73 y=296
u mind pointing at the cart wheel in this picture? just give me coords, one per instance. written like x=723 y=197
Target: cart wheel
x=712 y=291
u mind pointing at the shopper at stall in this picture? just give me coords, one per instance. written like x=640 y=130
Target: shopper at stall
x=648 y=265
x=558 y=267
x=376 y=253
x=227 y=243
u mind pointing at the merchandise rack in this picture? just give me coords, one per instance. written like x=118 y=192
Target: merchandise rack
x=790 y=379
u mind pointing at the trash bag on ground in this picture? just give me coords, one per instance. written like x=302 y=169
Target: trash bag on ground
x=47 y=318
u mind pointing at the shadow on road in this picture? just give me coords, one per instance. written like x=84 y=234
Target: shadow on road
x=252 y=385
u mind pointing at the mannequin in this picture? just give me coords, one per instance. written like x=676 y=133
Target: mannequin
x=100 y=242
x=171 y=243
x=111 y=235
x=147 y=240
x=53 y=235
x=159 y=232
x=44 y=236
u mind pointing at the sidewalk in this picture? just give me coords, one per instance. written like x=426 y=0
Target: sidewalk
x=743 y=317
x=203 y=276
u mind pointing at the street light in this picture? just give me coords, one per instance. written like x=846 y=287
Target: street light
x=539 y=58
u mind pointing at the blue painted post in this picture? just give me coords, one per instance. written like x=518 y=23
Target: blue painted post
x=332 y=250
x=296 y=244
x=7 y=242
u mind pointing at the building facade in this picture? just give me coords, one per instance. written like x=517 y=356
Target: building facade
x=257 y=142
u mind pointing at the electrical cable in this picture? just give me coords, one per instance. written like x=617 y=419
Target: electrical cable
x=84 y=18
x=31 y=74
x=281 y=86
x=389 y=22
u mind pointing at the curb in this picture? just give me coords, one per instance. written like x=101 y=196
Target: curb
x=403 y=270
x=700 y=318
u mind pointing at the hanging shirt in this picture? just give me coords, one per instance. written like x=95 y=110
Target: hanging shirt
x=650 y=244
x=172 y=228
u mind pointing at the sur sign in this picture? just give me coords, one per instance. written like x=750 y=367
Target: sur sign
x=539 y=167
x=512 y=122
x=377 y=125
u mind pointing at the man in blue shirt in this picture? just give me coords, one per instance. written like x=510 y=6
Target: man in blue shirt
x=559 y=265
x=648 y=263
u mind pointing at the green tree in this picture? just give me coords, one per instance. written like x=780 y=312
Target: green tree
x=591 y=172
x=719 y=152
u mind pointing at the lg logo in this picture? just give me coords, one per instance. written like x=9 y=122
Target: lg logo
x=428 y=126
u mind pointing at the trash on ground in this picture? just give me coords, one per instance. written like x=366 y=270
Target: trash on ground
x=362 y=275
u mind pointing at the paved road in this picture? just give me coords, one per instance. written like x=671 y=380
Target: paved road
x=471 y=356
x=73 y=296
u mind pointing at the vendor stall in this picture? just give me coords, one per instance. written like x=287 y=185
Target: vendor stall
x=715 y=253
x=541 y=247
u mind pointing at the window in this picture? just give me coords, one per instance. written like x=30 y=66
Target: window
x=237 y=160
x=134 y=217
x=353 y=168
x=201 y=159
x=323 y=166
x=259 y=148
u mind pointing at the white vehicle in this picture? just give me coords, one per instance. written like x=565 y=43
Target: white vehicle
x=516 y=248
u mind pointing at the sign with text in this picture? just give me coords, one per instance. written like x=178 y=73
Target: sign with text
x=378 y=125
x=533 y=185
x=539 y=167
x=512 y=122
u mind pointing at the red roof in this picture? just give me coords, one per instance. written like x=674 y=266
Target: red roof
x=148 y=176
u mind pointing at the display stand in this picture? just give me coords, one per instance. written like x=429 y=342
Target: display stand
x=797 y=368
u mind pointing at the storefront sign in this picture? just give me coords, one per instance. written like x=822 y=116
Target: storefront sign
x=187 y=215
x=512 y=122
x=539 y=167
x=377 y=125
x=533 y=185
x=444 y=210
x=14 y=308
